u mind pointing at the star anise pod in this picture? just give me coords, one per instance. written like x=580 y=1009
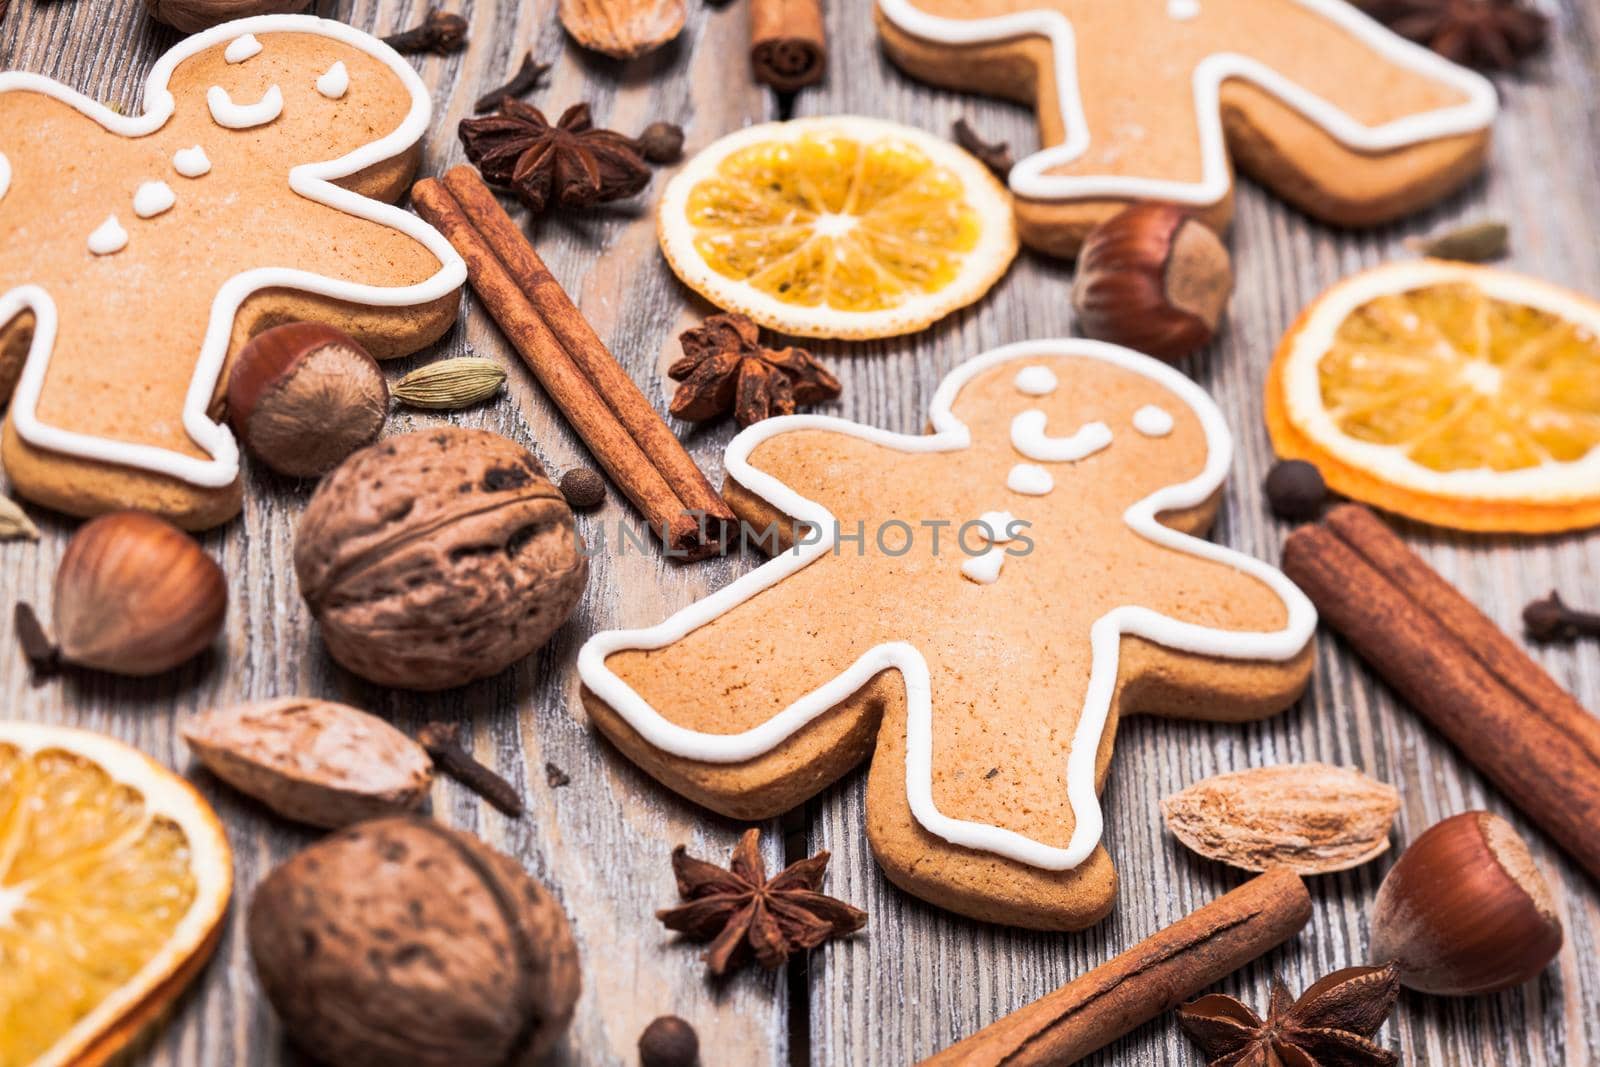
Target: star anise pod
x=725 y=366
x=1331 y=1025
x=570 y=164
x=743 y=914
x=1495 y=34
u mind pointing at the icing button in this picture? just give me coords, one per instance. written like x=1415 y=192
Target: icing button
x=152 y=198
x=1152 y=421
x=109 y=237
x=191 y=162
x=1029 y=480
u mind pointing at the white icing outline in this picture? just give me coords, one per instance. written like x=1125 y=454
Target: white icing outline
x=949 y=434
x=232 y=116
x=1035 y=381
x=191 y=162
x=1029 y=178
x=1028 y=436
x=1030 y=479
x=153 y=198
x=314 y=181
x=108 y=238
x=5 y=175
x=334 y=82
x=242 y=48
x=1153 y=421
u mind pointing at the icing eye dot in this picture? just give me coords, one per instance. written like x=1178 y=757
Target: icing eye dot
x=232 y=116
x=1183 y=10
x=1029 y=480
x=242 y=48
x=335 y=83
x=108 y=237
x=152 y=198
x=1035 y=381
x=191 y=162
x=1152 y=421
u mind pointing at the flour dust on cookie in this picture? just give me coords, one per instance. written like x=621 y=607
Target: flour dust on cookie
x=911 y=617
x=213 y=110
x=1321 y=98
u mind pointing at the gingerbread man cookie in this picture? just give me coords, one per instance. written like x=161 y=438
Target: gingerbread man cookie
x=137 y=253
x=1154 y=99
x=981 y=603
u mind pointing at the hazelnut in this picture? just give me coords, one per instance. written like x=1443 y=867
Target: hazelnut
x=1464 y=910
x=136 y=595
x=191 y=16
x=1154 y=279
x=669 y=1042
x=303 y=396
x=435 y=558
x=401 y=940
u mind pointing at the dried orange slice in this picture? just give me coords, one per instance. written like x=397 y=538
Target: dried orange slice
x=1459 y=395
x=114 y=877
x=837 y=227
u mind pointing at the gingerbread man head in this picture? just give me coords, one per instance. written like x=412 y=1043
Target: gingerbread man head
x=136 y=253
x=980 y=603
x=1162 y=99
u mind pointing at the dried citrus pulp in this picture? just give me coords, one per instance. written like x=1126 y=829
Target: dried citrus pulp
x=1455 y=394
x=114 y=876
x=837 y=227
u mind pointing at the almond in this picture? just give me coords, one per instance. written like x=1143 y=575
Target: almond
x=623 y=29
x=313 y=761
x=1309 y=817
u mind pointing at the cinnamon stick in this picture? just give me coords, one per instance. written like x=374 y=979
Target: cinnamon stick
x=1153 y=977
x=788 y=43
x=628 y=439
x=1510 y=719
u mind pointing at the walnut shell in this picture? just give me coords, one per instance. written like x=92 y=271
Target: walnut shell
x=435 y=558
x=403 y=941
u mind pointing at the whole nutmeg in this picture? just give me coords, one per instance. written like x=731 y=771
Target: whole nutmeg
x=403 y=941
x=136 y=595
x=303 y=396
x=193 y=15
x=1154 y=279
x=435 y=558
x=669 y=1042
x=1464 y=910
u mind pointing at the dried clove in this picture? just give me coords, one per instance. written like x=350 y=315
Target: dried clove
x=994 y=155
x=1479 y=242
x=442 y=741
x=661 y=142
x=440 y=33
x=521 y=83
x=555 y=777
x=42 y=653
x=1549 y=619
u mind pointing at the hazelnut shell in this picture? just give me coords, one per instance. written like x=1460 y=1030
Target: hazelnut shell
x=191 y=16
x=303 y=396
x=135 y=595
x=1154 y=279
x=435 y=558
x=401 y=940
x=1464 y=910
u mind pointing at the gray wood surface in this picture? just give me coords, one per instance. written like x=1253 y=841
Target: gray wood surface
x=917 y=978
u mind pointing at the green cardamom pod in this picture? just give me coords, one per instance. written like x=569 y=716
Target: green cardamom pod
x=1478 y=243
x=450 y=383
x=14 y=522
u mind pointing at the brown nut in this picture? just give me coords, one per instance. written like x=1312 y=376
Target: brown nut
x=1154 y=279
x=1464 y=910
x=303 y=396
x=435 y=558
x=403 y=941
x=191 y=16
x=669 y=1042
x=135 y=595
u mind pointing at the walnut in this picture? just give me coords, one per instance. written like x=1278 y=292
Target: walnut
x=439 y=557
x=401 y=940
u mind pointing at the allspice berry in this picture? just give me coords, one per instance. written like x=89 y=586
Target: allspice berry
x=1154 y=279
x=583 y=488
x=303 y=396
x=1295 y=490
x=669 y=1042
x=435 y=558
x=400 y=940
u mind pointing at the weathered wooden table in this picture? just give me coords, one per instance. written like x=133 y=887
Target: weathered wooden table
x=916 y=978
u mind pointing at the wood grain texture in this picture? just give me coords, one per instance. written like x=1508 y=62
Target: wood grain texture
x=916 y=979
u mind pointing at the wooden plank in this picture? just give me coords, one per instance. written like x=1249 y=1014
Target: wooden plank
x=602 y=842
x=919 y=978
